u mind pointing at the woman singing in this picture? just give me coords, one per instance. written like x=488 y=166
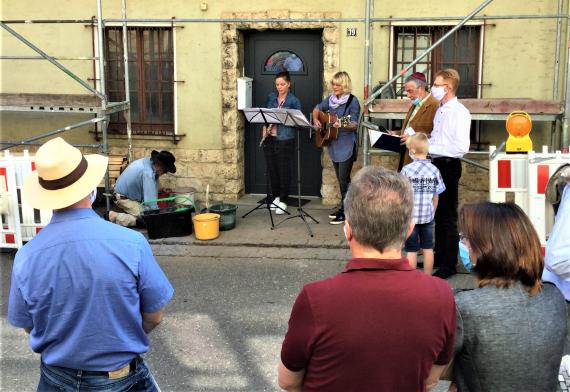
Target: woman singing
x=279 y=143
x=342 y=150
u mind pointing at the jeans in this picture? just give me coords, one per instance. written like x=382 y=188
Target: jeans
x=446 y=235
x=342 y=171
x=55 y=378
x=278 y=156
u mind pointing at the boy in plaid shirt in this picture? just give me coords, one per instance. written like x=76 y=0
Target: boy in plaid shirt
x=427 y=184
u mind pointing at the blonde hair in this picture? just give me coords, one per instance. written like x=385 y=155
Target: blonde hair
x=418 y=142
x=343 y=79
x=450 y=76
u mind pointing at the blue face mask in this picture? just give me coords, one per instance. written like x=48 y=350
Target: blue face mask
x=416 y=102
x=464 y=256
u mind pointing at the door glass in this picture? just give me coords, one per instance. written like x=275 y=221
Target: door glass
x=284 y=60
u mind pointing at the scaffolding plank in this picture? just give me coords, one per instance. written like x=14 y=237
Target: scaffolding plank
x=483 y=108
x=67 y=103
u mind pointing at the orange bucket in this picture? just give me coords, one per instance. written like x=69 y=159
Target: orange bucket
x=206 y=226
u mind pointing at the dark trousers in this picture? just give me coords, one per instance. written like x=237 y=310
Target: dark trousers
x=446 y=235
x=278 y=157
x=342 y=170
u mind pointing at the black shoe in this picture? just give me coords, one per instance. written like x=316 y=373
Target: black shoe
x=444 y=273
x=333 y=215
x=338 y=220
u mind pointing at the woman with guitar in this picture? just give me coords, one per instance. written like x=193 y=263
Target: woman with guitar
x=278 y=142
x=343 y=112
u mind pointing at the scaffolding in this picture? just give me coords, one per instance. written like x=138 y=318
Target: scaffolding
x=101 y=108
x=558 y=111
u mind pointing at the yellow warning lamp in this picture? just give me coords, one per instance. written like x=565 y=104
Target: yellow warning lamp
x=518 y=126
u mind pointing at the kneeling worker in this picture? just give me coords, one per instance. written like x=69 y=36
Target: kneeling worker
x=138 y=183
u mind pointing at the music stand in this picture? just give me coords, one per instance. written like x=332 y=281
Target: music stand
x=291 y=118
x=264 y=116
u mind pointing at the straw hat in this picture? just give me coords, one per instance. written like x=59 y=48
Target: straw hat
x=63 y=176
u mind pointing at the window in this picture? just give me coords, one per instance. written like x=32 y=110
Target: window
x=284 y=61
x=460 y=51
x=151 y=79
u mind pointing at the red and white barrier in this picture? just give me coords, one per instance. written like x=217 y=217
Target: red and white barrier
x=508 y=179
x=541 y=166
x=10 y=234
x=526 y=176
x=32 y=220
x=29 y=221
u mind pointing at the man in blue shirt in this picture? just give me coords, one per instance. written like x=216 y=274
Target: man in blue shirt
x=139 y=182
x=87 y=291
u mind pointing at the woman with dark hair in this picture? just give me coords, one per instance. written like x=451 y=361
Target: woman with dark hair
x=343 y=150
x=278 y=143
x=511 y=328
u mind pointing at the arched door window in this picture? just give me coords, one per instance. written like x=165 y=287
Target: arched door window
x=284 y=60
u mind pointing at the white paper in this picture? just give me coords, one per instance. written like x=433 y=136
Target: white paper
x=288 y=117
x=373 y=136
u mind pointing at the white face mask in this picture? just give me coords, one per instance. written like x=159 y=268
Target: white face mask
x=344 y=229
x=438 y=92
x=93 y=195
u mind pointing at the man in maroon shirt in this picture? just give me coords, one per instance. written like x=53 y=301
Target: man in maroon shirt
x=379 y=325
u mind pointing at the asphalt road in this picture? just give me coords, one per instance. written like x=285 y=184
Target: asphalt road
x=223 y=329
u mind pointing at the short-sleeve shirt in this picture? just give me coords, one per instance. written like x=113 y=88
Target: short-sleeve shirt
x=426 y=182
x=81 y=285
x=341 y=149
x=379 y=323
x=139 y=182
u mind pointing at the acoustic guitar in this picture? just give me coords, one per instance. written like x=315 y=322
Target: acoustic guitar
x=327 y=132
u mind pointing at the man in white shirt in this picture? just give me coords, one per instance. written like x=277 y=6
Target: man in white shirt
x=557 y=258
x=449 y=141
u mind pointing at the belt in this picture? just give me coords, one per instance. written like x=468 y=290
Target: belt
x=122 y=372
x=445 y=159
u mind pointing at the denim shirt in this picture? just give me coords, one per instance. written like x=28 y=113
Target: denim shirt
x=341 y=149
x=291 y=102
x=138 y=182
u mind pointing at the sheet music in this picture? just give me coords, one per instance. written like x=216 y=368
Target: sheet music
x=288 y=117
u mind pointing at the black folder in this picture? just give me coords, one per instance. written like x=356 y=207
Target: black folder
x=385 y=141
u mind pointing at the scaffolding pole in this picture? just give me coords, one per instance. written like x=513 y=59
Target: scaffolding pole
x=127 y=88
x=51 y=60
x=366 y=147
x=91 y=121
x=428 y=51
x=295 y=20
x=367 y=64
x=105 y=122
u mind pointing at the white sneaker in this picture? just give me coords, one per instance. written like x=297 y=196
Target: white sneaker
x=282 y=208
x=274 y=203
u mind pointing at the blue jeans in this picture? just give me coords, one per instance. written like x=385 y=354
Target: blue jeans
x=54 y=378
x=421 y=237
